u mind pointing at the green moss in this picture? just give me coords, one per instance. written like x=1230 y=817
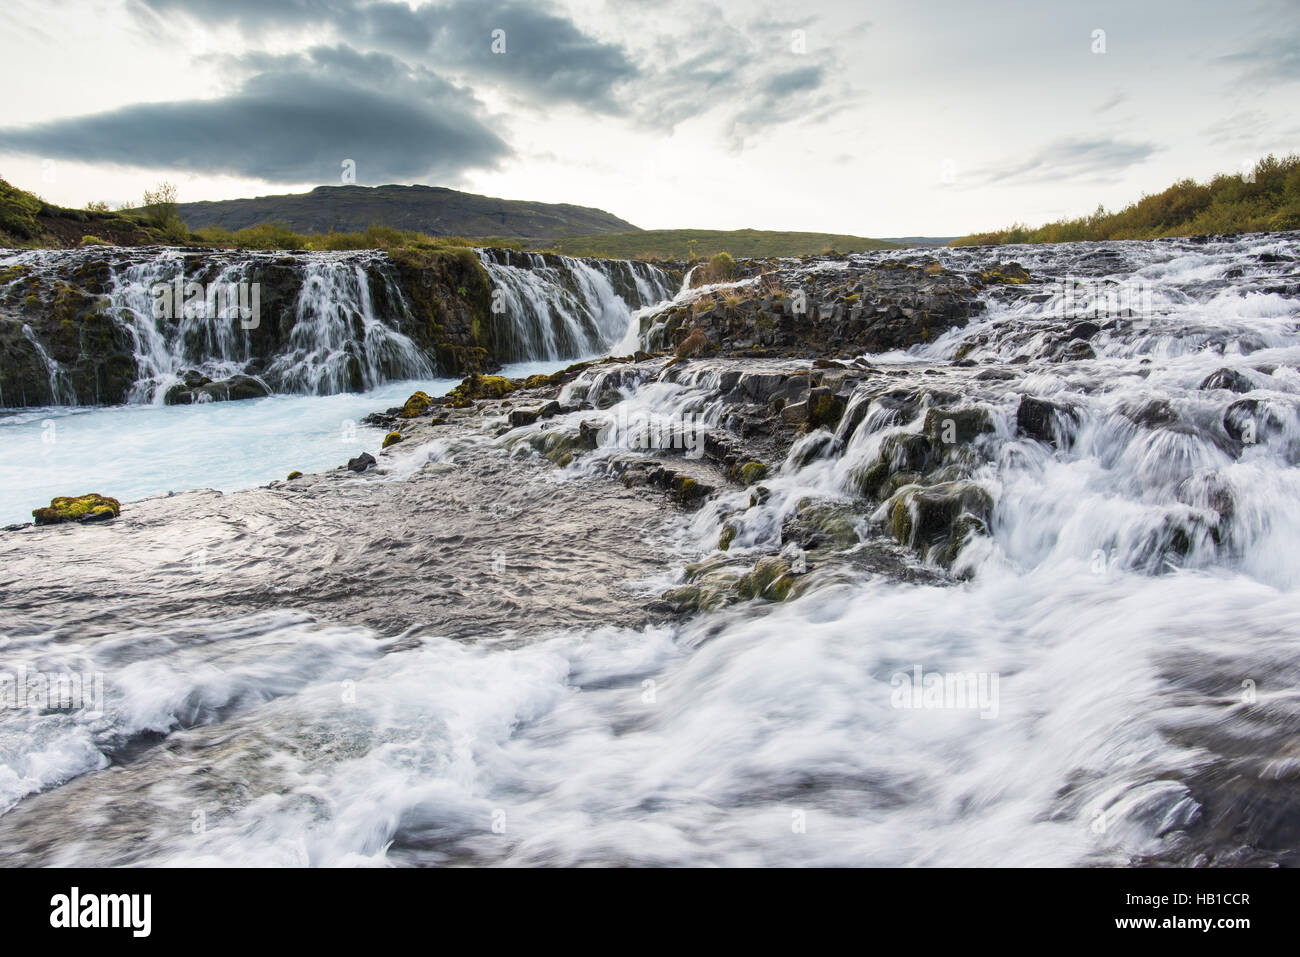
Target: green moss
x=79 y=508
x=479 y=387
x=825 y=411
x=392 y=438
x=293 y=475
x=770 y=579
x=752 y=472
x=417 y=404
x=727 y=537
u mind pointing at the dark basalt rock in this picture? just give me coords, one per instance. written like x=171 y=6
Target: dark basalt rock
x=1229 y=379
x=205 y=390
x=361 y=462
x=1045 y=421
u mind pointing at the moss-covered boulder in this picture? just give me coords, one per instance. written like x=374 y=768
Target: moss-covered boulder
x=477 y=387
x=392 y=438
x=79 y=508
x=771 y=579
x=416 y=405
x=925 y=517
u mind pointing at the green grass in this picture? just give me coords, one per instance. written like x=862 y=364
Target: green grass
x=704 y=243
x=1229 y=203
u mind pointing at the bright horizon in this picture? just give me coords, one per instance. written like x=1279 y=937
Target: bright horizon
x=843 y=119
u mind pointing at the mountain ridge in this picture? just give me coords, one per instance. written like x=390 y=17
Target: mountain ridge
x=434 y=210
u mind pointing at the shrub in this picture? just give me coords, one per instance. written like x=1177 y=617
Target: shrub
x=1268 y=199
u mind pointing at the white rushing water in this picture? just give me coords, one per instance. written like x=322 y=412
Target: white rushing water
x=331 y=336
x=1135 y=696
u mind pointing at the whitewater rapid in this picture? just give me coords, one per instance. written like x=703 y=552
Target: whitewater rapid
x=1133 y=604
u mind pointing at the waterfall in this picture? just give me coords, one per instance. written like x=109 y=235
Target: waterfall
x=328 y=322
x=559 y=307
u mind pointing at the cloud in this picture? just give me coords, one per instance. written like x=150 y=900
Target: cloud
x=540 y=54
x=1095 y=160
x=1112 y=101
x=295 y=119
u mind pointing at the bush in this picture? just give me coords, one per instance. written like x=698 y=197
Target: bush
x=1267 y=200
x=721 y=268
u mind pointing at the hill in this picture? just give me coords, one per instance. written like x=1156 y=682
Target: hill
x=1265 y=200
x=433 y=210
x=702 y=243
x=27 y=220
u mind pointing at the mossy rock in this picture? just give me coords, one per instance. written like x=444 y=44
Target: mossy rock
x=392 y=438
x=770 y=579
x=727 y=536
x=479 y=387
x=752 y=472
x=825 y=411
x=79 y=508
x=416 y=405
x=923 y=517
x=293 y=475
x=947 y=427
x=822 y=523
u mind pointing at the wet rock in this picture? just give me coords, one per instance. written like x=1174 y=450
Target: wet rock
x=522 y=417
x=392 y=438
x=938 y=520
x=1250 y=421
x=1077 y=351
x=1045 y=421
x=945 y=427
x=771 y=579
x=232 y=389
x=1229 y=379
x=361 y=462
x=1151 y=414
x=819 y=524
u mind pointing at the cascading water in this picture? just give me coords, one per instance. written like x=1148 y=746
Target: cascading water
x=563 y=308
x=325 y=331
x=1128 y=610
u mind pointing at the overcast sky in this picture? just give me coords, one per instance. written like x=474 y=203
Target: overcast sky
x=932 y=117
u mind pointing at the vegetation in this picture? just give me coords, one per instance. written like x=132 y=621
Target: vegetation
x=1264 y=200
x=652 y=244
x=18 y=211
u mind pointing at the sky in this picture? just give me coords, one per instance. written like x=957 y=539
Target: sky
x=933 y=117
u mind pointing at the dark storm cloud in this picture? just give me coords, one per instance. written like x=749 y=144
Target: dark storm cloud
x=546 y=56
x=296 y=120
x=1098 y=159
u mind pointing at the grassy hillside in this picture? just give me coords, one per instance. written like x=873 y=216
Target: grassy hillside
x=1265 y=201
x=26 y=220
x=703 y=243
x=433 y=210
